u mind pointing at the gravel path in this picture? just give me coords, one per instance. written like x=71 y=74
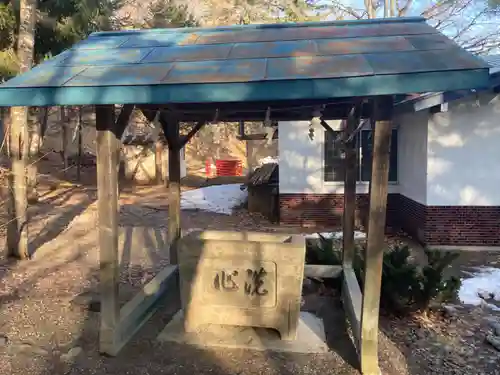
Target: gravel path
x=45 y=328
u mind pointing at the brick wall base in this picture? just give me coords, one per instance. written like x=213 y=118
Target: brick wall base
x=430 y=225
x=462 y=225
x=325 y=210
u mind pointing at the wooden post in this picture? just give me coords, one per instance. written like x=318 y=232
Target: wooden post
x=175 y=144
x=174 y=188
x=79 y=154
x=159 y=162
x=107 y=184
x=33 y=154
x=64 y=139
x=350 y=174
x=375 y=240
x=17 y=227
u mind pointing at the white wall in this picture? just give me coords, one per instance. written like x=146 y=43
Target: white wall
x=412 y=155
x=464 y=153
x=302 y=159
x=445 y=159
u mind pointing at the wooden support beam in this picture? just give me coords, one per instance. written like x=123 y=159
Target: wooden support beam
x=327 y=127
x=159 y=162
x=80 y=140
x=17 y=207
x=375 y=242
x=350 y=174
x=171 y=130
x=241 y=127
x=64 y=118
x=44 y=122
x=124 y=119
x=108 y=142
x=186 y=138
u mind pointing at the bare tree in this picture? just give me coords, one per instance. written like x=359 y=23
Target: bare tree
x=473 y=24
x=19 y=141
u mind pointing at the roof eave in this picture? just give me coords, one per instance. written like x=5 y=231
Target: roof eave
x=426 y=101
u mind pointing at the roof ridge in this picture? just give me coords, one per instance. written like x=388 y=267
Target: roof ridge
x=260 y=26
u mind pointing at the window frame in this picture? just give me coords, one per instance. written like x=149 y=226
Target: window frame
x=358 y=158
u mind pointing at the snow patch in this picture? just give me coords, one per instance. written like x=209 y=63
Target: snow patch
x=218 y=198
x=337 y=235
x=268 y=160
x=483 y=284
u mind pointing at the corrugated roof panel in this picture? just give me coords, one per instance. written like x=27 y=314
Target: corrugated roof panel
x=188 y=53
x=217 y=71
x=143 y=74
x=53 y=77
x=318 y=66
x=429 y=41
x=101 y=43
x=97 y=57
x=158 y=40
x=406 y=62
x=363 y=45
x=272 y=49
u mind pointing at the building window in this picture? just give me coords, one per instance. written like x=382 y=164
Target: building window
x=334 y=162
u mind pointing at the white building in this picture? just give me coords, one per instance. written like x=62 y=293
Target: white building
x=444 y=169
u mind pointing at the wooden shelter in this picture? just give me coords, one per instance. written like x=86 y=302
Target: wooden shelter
x=328 y=70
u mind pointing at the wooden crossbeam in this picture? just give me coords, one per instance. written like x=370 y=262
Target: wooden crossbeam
x=257 y=137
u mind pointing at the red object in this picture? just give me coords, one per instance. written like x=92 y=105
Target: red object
x=228 y=168
x=208 y=168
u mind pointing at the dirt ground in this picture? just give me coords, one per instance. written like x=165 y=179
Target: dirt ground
x=46 y=327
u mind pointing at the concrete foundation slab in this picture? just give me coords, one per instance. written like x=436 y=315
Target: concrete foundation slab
x=311 y=336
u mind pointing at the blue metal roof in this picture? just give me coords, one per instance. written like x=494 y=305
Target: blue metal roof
x=494 y=62
x=250 y=63
x=431 y=99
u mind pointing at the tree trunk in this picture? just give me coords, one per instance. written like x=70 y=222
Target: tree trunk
x=35 y=137
x=26 y=49
x=17 y=233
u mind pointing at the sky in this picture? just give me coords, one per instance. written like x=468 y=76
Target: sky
x=486 y=24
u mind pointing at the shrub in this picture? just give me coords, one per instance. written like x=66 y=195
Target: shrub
x=406 y=286
x=323 y=251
